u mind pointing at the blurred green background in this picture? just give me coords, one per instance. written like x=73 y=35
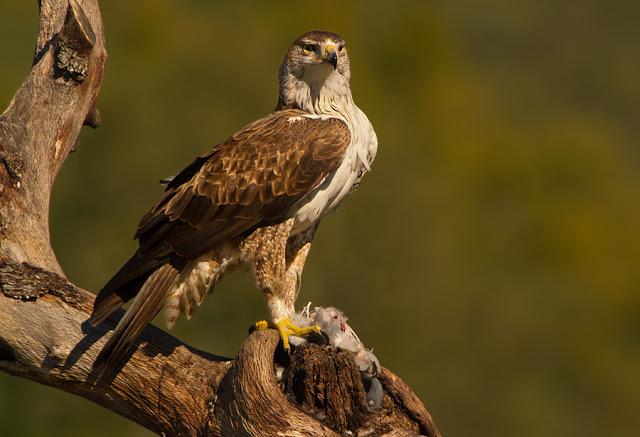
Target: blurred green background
x=491 y=259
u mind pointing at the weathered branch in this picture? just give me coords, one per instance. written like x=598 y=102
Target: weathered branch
x=166 y=386
x=42 y=123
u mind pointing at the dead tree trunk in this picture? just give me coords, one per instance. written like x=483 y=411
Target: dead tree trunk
x=166 y=386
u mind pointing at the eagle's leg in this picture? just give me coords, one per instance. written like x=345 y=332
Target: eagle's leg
x=297 y=250
x=298 y=247
x=279 y=280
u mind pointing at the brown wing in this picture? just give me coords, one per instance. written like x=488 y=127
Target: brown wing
x=252 y=179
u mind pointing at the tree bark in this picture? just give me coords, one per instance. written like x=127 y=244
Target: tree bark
x=165 y=385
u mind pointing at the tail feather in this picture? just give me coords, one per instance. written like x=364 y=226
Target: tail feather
x=145 y=306
x=123 y=286
x=107 y=303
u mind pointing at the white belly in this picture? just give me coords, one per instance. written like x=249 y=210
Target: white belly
x=357 y=160
x=326 y=197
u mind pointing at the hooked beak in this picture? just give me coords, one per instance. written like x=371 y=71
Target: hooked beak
x=331 y=55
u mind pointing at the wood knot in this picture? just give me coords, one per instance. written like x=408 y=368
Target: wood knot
x=10 y=170
x=56 y=356
x=74 y=44
x=93 y=118
x=70 y=65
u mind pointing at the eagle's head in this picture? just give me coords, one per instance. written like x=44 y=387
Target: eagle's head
x=316 y=64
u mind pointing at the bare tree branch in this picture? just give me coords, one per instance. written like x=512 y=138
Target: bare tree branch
x=166 y=386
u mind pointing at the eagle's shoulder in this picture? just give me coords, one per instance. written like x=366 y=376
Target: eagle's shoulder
x=294 y=127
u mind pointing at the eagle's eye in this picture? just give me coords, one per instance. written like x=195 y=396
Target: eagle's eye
x=341 y=48
x=308 y=48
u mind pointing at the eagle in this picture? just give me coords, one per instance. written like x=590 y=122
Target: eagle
x=255 y=200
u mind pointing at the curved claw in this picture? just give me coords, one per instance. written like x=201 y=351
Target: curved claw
x=287 y=328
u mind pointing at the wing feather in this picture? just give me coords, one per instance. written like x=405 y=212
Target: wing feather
x=255 y=176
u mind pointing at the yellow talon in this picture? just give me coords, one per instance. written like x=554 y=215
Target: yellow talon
x=262 y=325
x=286 y=328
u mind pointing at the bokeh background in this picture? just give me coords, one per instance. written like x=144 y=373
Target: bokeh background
x=492 y=258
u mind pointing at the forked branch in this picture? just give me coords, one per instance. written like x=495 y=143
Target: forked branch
x=166 y=386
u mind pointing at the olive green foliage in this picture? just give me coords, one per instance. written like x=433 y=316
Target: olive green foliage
x=492 y=258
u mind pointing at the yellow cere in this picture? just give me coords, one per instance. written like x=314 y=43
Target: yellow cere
x=329 y=48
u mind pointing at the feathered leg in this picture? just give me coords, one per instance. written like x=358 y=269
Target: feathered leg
x=297 y=250
x=266 y=251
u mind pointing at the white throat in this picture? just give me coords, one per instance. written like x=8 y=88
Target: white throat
x=320 y=91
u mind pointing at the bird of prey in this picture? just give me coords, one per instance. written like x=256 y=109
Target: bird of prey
x=255 y=199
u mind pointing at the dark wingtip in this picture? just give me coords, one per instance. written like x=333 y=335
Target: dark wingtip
x=95 y=319
x=104 y=305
